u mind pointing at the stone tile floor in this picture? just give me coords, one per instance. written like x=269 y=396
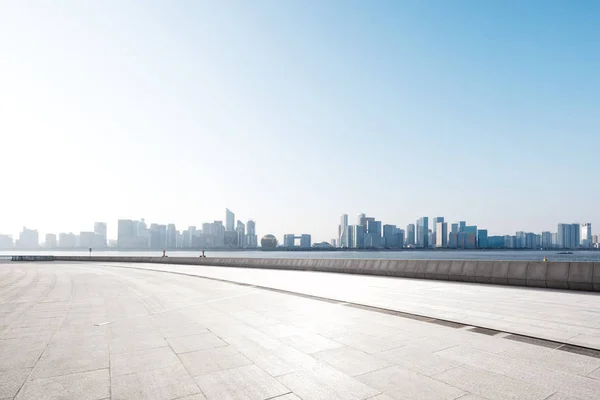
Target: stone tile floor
x=79 y=331
x=560 y=315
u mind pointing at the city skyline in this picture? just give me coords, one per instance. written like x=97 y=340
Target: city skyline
x=290 y=112
x=367 y=232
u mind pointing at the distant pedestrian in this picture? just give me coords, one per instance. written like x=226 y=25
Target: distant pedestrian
x=90 y=251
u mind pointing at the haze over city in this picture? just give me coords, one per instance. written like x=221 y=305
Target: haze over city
x=292 y=113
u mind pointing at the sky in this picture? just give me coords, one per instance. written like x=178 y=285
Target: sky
x=293 y=112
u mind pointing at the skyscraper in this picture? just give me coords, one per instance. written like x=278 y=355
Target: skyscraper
x=343 y=231
x=423 y=232
x=351 y=244
x=101 y=234
x=547 y=240
x=359 y=218
x=251 y=232
x=50 y=242
x=568 y=236
x=586 y=235
x=125 y=233
x=482 y=238
x=441 y=232
x=373 y=236
x=410 y=234
x=462 y=225
x=454 y=228
x=171 y=236
x=359 y=237
x=229 y=220
x=241 y=234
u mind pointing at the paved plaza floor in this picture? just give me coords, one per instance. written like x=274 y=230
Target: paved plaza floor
x=89 y=331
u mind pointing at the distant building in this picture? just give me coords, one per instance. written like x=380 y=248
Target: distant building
x=6 y=242
x=453 y=240
x=547 y=240
x=568 y=236
x=289 y=240
x=268 y=242
x=158 y=237
x=171 y=236
x=67 y=240
x=509 y=241
x=51 y=241
x=441 y=233
x=305 y=241
x=392 y=237
x=322 y=245
x=520 y=240
x=251 y=232
x=423 y=232
x=229 y=220
x=125 y=234
x=28 y=239
x=462 y=225
x=473 y=230
x=240 y=229
x=373 y=238
x=351 y=236
x=359 y=237
x=410 y=235
x=586 y=239
x=86 y=240
x=333 y=242
x=495 y=242
x=482 y=239
x=343 y=231
x=454 y=228
x=100 y=231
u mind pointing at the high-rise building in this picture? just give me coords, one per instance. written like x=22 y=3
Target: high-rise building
x=495 y=242
x=241 y=234
x=351 y=236
x=67 y=240
x=100 y=231
x=373 y=236
x=125 y=233
x=359 y=218
x=392 y=237
x=289 y=240
x=171 y=236
x=229 y=220
x=520 y=240
x=462 y=225
x=252 y=238
x=482 y=238
x=343 y=231
x=305 y=241
x=51 y=241
x=586 y=235
x=453 y=240
x=28 y=239
x=454 y=228
x=576 y=232
x=158 y=236
x=6 y=242
x=423 y=232
x=359 y=237
x=554 y=240
x=568 y=236
x=86 y=240
x=547 y=240
x=410 y=235
x=441 y=233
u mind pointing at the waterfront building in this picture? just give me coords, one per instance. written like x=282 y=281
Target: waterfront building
x=351 y=236
x=67 y=240
x=229 y=220
x=454 y=228
x=28 y=239
x=171 y=236
x=359 y=237
x=423 y=232
x=586 y=235
x=547 y=240
x=51 y=241
x=100 y=230
x=6 y=242
x=343 y=231
x=410 y=235
x=482 y=239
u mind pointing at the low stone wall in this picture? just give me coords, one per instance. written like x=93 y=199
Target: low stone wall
x=556 y=275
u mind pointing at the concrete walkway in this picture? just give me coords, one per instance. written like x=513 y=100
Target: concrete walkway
x=564 y=316
x=92 y=332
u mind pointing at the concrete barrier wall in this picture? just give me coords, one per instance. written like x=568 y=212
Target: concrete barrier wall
x=554 y=275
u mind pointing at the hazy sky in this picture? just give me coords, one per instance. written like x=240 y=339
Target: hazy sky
x=293 y=112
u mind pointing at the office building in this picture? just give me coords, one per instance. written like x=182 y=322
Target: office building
x=423 y=232
x=495 y=242
x=568 y=236
x=6 y=242
x=100 y=231
x=125 y=233
x=393 y=237
x=28 y=239
x=305 y=241
x=471 y=229
x=86 y=240
x=482 y=239
x=520 y=240
x=289 y=240
x=158 y=236
x=252 y=238
x=454 y=228
x=410 y=235
x=229 y=220
x=51 y=241
x=462 y=225
x=547 y=240
x=373 y=238
x=441 y=234
x=359 y=218
x=586 y=235
x=359 y=237
x=509 y=241
x=333 y=242
x=452 y=240
x=67 y=240
x=351 y=236
x=240 y=229
x=343 y=231
x=171 y=236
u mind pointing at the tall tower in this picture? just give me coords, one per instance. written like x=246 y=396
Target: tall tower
x=229 y=220
x=343 y=229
